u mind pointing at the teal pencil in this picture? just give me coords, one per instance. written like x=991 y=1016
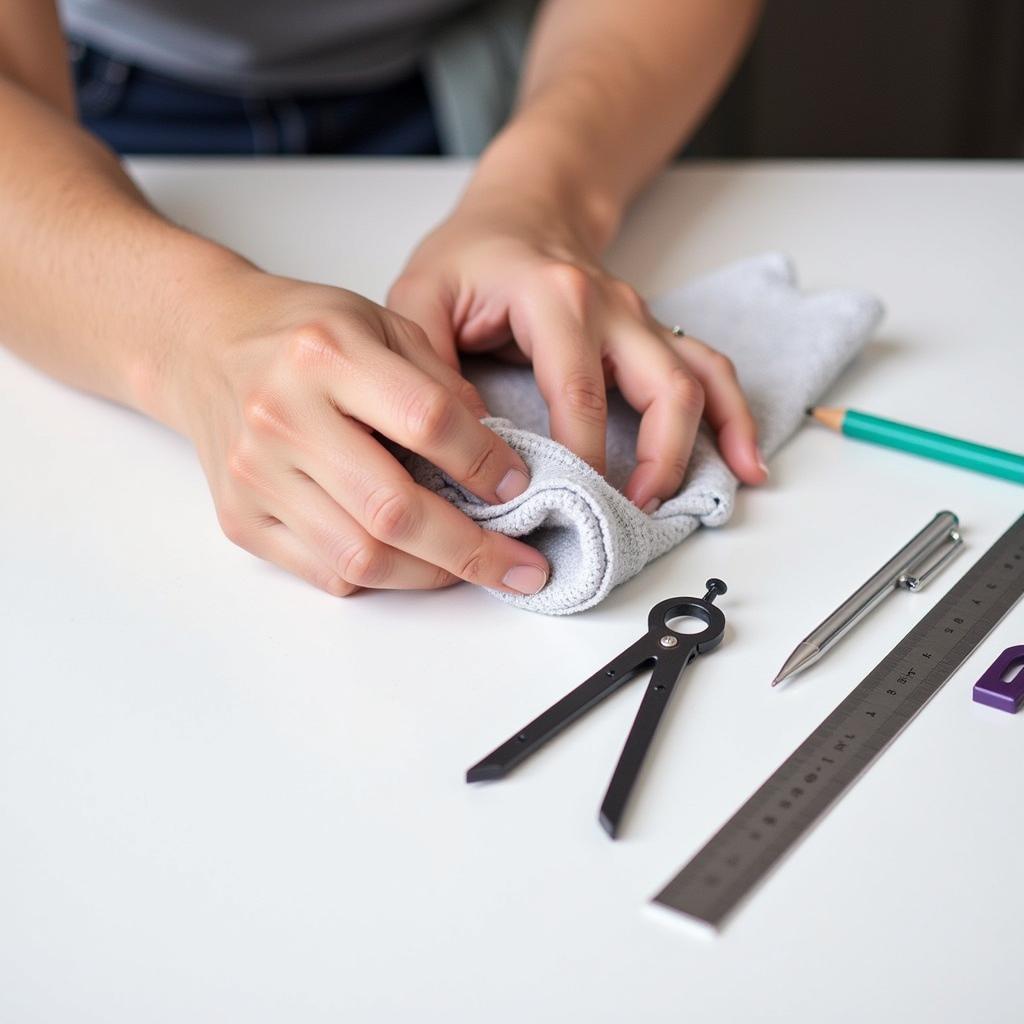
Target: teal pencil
x=941 y=447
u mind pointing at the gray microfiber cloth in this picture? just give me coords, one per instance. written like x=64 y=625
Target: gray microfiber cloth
x=788 y=348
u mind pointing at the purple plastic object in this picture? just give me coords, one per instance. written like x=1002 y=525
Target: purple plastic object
x=995 y=691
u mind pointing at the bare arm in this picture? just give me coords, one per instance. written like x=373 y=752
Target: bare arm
x=610 y=91
x=275 y=381
x=88 y=271
x=28 y=50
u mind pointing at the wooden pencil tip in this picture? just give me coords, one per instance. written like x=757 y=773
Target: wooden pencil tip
x=831 y=418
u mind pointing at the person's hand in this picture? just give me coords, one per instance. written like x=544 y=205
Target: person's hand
x=282 y=397
x=508 y=277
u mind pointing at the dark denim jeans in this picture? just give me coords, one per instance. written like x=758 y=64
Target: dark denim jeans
x=138 y=111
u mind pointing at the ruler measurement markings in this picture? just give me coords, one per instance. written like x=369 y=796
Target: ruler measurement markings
x=845 y=744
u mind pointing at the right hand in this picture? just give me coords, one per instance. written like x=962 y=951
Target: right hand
x=281 y=403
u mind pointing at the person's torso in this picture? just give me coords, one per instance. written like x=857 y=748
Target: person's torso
x=265 y=46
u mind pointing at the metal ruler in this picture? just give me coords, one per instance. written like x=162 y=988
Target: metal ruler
x=821 y=769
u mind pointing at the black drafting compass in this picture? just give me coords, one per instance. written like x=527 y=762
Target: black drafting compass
x=668 y=651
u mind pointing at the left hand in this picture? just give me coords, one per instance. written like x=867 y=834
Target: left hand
x=511 y=278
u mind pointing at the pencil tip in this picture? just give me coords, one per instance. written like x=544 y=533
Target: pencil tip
x=809 y=411
x=804 y=655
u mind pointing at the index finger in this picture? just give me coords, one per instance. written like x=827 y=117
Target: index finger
x=371 y=485
x=408 y=405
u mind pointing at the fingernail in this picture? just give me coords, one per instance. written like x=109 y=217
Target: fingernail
x=527 y=579
x=652 y=506
x=761 y=463
x=513 y=483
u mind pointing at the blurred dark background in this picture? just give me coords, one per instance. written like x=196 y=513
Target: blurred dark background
x=876 y=78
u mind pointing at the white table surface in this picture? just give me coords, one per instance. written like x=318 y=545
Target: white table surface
x=225 y=796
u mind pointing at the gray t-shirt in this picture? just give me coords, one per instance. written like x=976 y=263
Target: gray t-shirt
x=265 y=46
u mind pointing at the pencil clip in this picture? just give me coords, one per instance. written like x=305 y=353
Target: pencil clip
x=932 y=561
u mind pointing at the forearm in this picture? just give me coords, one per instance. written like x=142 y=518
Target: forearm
x=609 y=92
x=95 y=287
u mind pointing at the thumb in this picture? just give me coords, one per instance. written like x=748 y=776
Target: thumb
x=422 y=301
